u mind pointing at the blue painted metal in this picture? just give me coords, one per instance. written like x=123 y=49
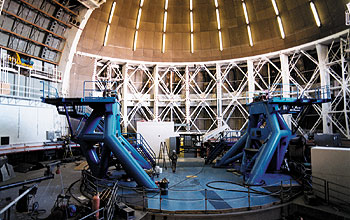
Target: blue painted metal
x=266 y=139
x=107 y=135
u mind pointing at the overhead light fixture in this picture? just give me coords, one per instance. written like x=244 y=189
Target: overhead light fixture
x=106 y=36
x=135 y=40
x=274 y=4
x=166 y=5
x=163 y=43
x=281 y=27
x=220 y=41
x=245 y=12
x=111 y=13
x=314 y=11
x=138 y=18
x=250 y=36
x=109 y=22
x=191 y=23
x=164 y=22
x=218 y=21
x=192 y=43
x=137 y=25
x=218 y=18
x=348 y=6
x=278 y=17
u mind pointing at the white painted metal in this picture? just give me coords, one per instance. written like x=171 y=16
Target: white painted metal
x=322 y=52
x=285 y=72
x=199 y=97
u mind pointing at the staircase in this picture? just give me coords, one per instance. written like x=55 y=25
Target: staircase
x=141 y=145
x=226 y=140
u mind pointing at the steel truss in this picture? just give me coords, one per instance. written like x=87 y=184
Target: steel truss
x=199 y=97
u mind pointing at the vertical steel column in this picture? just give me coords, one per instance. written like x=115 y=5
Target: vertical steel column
x=251 y=80
x=219 y=95
x=322 y=54
x=345 y=85
x=155 y=93
x=125 y=97
x=187 y=102
x=285 y=72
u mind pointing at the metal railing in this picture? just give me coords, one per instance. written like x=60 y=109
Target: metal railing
x=139 y=140
x=49 y=91
x=331 y=192
x=98 y=88
x=247 y=197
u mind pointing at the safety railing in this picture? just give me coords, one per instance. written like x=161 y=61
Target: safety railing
x=231 y=135
x=50 y=73
x=331 y=192
x=139 y=140
x=207 y=200
x=20 y=91
x=49 y=91
x=99 y=88
x=6 y=211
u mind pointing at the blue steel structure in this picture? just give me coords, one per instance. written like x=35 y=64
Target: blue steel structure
x=266 y=139
x=107 y=134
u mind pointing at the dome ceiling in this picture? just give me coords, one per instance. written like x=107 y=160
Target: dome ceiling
x=296 y=17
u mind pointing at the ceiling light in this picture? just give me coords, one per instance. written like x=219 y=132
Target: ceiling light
x=218 y=18
x=274 y=4
x=314 y=11
x=163 y=43
x=245 y=12
x=216 y=3
x=220 y=41
x=166 y=5
x=138 y=19
x=250 y=36
x=191 y=42
x=106 y=36
x=111 y=13
x=281 y=27
x=135 y=40
x=141 y=3
x=164 y=23
x=191 y=21
x=191 y=5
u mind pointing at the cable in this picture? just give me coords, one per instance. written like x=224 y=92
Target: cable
x=187 y=178
x=254 y=191
x=70 y=193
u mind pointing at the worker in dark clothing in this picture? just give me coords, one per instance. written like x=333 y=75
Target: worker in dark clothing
x=173 y=158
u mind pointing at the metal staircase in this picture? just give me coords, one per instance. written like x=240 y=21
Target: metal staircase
x=141 y=145
x=226 y=140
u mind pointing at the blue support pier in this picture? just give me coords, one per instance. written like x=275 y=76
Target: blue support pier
x=106 y=109
x=265 y=141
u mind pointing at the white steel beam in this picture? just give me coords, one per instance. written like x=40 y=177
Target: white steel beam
x=251 y=80
x=125 y=98
x=285 y=72
x=219 y=95
x=155 y=93
x=188 y=101
x=345 y=83
x=322 y=52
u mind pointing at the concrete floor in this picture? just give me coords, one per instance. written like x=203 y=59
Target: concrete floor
x=47 y=190
x=179 y=183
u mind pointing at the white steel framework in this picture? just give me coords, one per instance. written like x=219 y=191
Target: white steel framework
x=200 y=97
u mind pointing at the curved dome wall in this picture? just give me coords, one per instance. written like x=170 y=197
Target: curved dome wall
x=297 y=18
